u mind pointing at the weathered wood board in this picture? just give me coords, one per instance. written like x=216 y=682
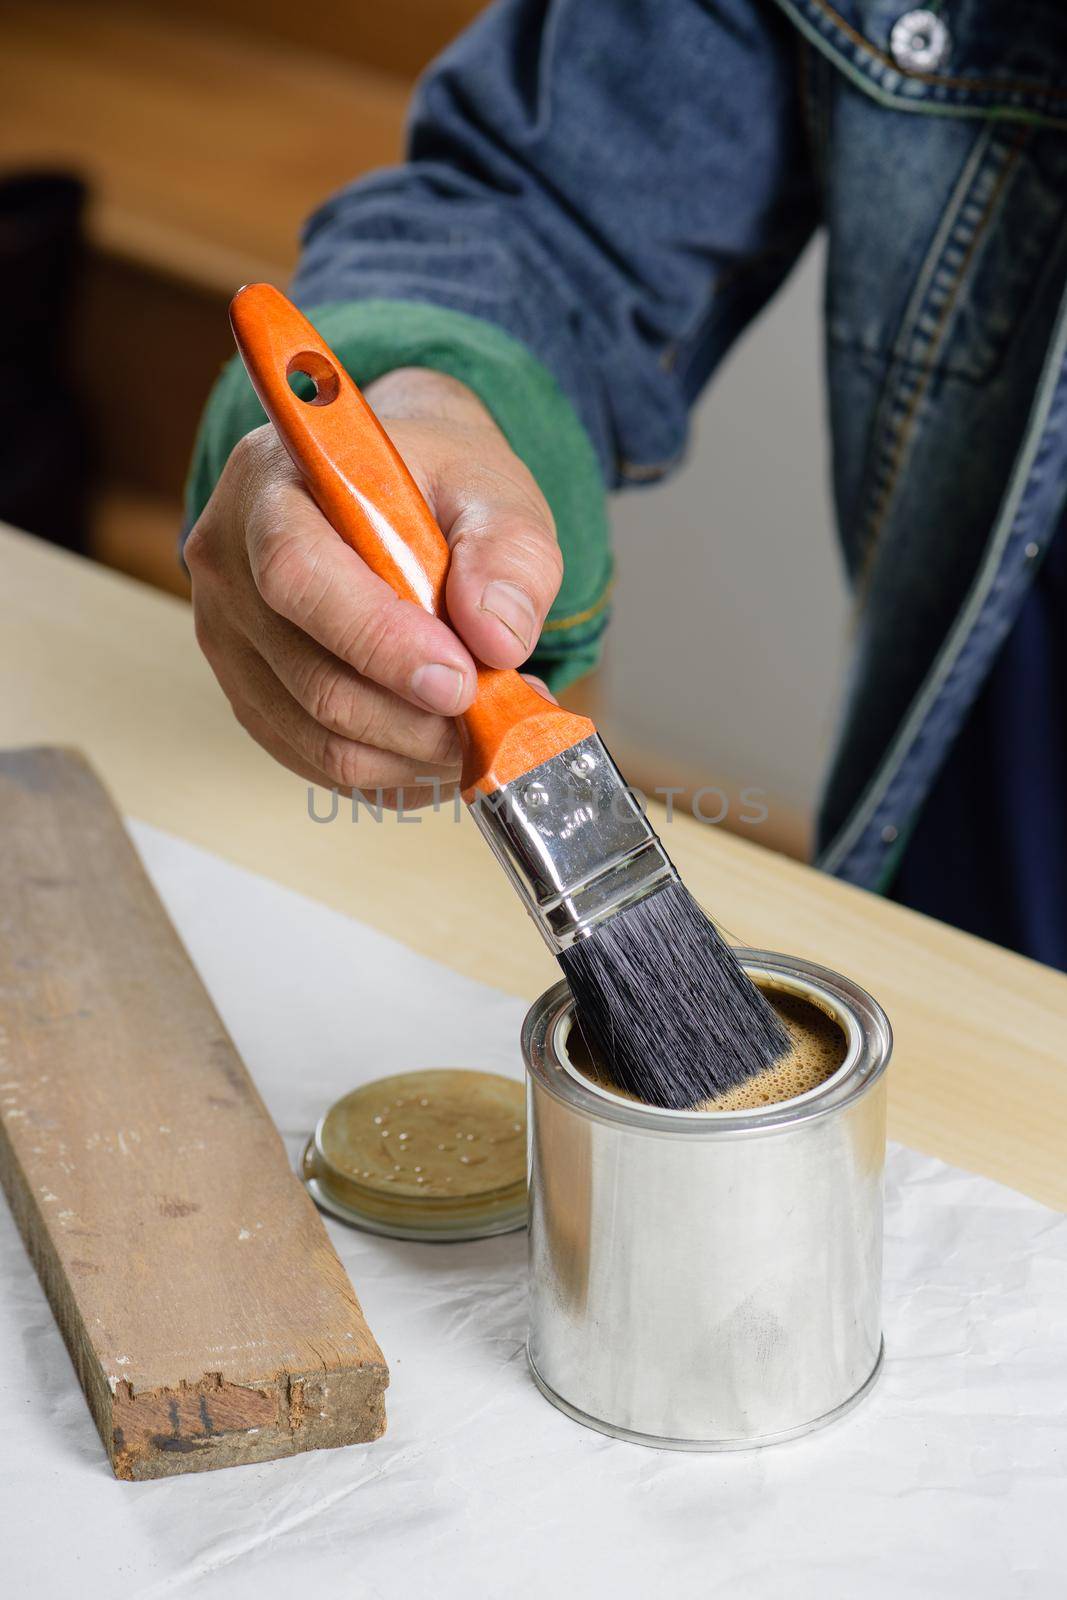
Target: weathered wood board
x=208 y=1317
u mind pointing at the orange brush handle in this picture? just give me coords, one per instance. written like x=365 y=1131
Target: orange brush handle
x=365 y=491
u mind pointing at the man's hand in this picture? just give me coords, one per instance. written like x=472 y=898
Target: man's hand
x=335 y=676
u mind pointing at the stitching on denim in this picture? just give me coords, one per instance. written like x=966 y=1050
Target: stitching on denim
x=854 y=852
x=895 y=360
x=959 y=686
x=916 y=370
x=901 y=375
x=937 y=79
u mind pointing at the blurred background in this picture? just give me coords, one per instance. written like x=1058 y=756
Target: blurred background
x=155 y=155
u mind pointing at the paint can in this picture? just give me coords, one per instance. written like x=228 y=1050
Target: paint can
x=708 y=1280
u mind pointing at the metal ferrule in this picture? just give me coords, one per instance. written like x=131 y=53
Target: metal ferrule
x=573 y=840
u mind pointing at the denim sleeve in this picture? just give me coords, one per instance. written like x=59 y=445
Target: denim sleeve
x=617 y=184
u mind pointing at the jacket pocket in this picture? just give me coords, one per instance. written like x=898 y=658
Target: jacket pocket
x=943 y=238
x=973 y=58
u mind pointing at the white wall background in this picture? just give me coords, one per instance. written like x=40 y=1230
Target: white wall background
x=727 y=646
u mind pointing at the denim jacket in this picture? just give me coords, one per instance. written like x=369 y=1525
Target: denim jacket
x=618 y=186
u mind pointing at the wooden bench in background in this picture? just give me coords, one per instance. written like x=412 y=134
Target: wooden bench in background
x=207 y=131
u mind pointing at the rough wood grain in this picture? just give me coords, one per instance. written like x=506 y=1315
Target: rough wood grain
x=207 y=1315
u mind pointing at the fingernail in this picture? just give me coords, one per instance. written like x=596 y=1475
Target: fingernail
x=440 y=688
x=513 y=607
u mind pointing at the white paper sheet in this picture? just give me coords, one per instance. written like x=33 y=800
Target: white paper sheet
x=949 y=1481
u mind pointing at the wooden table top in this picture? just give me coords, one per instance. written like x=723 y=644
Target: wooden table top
x=91 y=659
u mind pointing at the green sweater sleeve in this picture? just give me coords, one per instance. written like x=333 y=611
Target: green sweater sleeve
x=372 y=337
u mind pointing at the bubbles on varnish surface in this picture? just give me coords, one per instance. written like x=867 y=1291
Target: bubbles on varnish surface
x=817 y=1048
x=429 y=1135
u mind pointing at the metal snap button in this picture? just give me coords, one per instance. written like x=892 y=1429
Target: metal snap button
x=920 y=42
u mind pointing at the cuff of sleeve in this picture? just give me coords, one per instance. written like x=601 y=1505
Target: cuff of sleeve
x=372 y=337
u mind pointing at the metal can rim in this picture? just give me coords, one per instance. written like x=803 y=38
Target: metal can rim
x=865 y=1023
x=454 y=1232
x=425 y=1218
x=710 y=1444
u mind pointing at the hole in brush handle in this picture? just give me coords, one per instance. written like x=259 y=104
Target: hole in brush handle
x=323 y=377
x=366 y=492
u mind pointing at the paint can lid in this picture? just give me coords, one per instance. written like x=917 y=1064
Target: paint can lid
x=433 y=1155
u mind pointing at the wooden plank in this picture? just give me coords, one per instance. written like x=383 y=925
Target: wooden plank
x=207 y=1315
x=205 y=149
x=978 y=1075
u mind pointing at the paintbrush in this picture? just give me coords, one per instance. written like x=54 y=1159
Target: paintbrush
x=665 y=1009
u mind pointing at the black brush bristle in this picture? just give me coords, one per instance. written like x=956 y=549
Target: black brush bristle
x=664 y=1007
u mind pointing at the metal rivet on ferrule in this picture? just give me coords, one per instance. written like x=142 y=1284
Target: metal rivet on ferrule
x=889 y=834
x=535 y=795
x=582 y=765
x=920 y=42
x=1032 y=551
